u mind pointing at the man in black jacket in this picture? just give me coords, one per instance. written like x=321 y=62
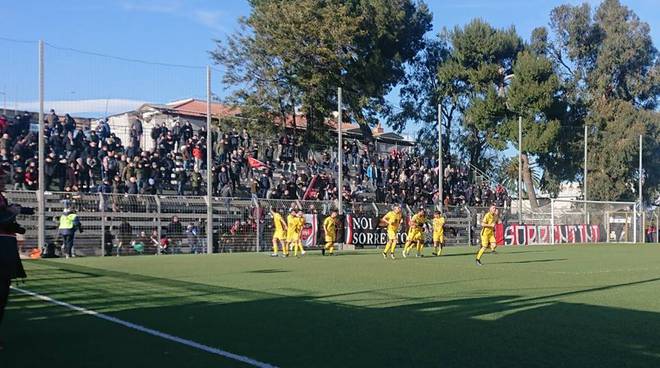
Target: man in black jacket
x=10 y=262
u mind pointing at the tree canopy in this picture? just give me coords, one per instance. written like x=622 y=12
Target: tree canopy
x=294 y=54
x=594 y=67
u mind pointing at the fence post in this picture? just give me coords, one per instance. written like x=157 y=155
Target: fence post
x=467 y=209
x=159 y=226
x=642 y=232
x=102 y=205
x=635 y=224
x=552 y=221
x=606 y=222
x=657 y=226
x=258 y=220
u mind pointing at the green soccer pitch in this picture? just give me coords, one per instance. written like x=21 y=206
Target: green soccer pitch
x=537 y=306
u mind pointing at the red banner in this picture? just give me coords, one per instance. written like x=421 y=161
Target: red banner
x=255 y=164
x=515 y=234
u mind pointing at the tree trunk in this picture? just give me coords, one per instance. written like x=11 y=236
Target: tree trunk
x=529 y=183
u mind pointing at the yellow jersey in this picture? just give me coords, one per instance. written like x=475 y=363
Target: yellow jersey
x=417 y=221
x=300 y=224
x=489 y=219
x=290 y=225
x=438 y=226
x=330 y=227
x=394 y=220
x=277 y=223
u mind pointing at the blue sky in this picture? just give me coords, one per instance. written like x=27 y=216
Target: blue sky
x=173 y=32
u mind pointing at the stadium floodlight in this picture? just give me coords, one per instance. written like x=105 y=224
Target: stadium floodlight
x=4 y=102
x=340 y=153
x=440 y=163
x=209 y=160
x=42 y=153
x=520 y=169
x=584 y=184
x=640 y=178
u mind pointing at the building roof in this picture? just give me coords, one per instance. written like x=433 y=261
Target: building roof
x=197 y=108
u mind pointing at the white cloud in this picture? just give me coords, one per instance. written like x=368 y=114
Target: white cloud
x=84 y=108
x=210 y=18
x=152 y=6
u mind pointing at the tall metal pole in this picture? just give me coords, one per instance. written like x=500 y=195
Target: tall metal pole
x=340 y=153
x=584 y=183
x=641 y=179
x=440 y=163
x=520 y=169
x=4 y=101
x=209 y=165
x=42 y=153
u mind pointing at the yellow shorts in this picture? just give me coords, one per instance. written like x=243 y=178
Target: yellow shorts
x=279 y=235
x=414 y=235
x=391 y=235
x=329 y=240
x=487 y=239
x=438 y=238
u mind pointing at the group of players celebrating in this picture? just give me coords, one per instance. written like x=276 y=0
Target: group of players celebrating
x=287 y=234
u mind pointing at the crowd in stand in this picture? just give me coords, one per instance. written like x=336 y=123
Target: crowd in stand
x=94 y=159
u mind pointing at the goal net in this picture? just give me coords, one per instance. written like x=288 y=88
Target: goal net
x=579 y=221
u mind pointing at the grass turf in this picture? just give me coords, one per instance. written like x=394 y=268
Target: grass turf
x=540 y=306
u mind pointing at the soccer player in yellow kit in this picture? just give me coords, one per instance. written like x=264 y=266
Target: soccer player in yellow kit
x=393 y=220
x=438 y=233
x=487 y=232
x=279 y=236
x=330 y=229
x=291 y=220
x=299 y=224
x=415 y=234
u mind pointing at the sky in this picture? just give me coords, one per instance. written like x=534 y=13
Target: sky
x=115 y=34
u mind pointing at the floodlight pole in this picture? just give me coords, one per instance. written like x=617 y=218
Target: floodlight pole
x=41 y=218
x=584 y=183
x=641 y=179
x=209 y=165
x=440 y=163
x=340 y=152
x=519 y=169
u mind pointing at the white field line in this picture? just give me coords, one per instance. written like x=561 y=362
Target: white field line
x=150 y=331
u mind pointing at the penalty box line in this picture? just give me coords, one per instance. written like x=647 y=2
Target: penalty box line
x=150 y=331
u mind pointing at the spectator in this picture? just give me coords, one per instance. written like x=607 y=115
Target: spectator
x=175 y=233
x=69 y=223
x=124 y=235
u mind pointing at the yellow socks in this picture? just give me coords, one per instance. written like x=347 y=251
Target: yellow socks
x=480 y=253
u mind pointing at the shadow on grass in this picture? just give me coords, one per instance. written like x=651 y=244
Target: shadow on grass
x=533 y=261
x=308 y=331
x=270 y=270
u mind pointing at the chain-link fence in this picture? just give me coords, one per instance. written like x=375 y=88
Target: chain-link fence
x=124 y=224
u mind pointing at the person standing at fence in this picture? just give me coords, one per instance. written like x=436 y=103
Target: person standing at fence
x=174 y=233
x=438 y=233
x=415 y=234
x=279 y=235
x=69 y=223
x=392 y=220
x=330 y=229
x=125 y=235
x=488 y=233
